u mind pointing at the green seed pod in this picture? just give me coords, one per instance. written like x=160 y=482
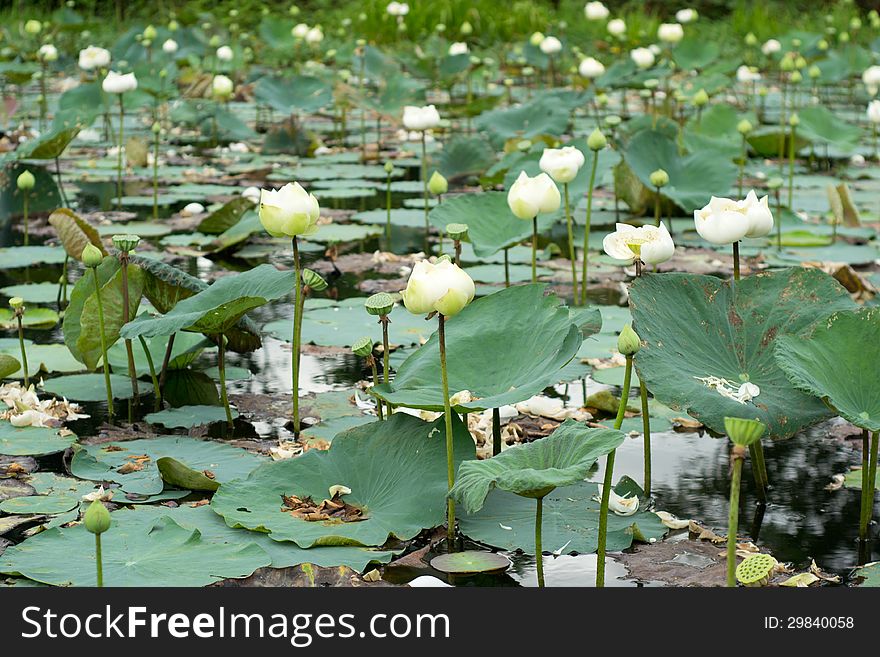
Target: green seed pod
x=755 y=569
x=659 y=178
x=314 y=280
x=437 y=184
x=26 y=180
x=744 y=127
x=380 y=304
x=700 y=98
x=612 y=120
x=651 y=83
x=596 y=141
x=362 y=347
x=628 y=342
x=126 y=243
x=457 y=231
x=16 y=302
x=602 y=100
x=156 y=128
x=742 y=431
x=97 y=518
x=91 y=256
x=775 y=183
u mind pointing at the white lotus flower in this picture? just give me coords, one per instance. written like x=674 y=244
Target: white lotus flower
x=93 y=57
x=314 y=36
x=616 y=27
x=685 y=16
x=670 y=32
x=289 y=211
x=47 y=53
x=621 y=505
x=397 y=9
x=651 y=244
x=874 y=111
x=420 y=118
x=191 y=209
x=458 y=48
x=222 y=87
x=550 y=45
x=529 y=197
x=443 y=287
x=596 y=11
x=722 y=221
x=871 y=76
x=771 y=46
x=300 y=30
x=591 y=68
x=561 y=164
x=169 y=47
x=225 y=54
x=758 y=214
x=119 y=83
x=746 y=74
x=643 y=57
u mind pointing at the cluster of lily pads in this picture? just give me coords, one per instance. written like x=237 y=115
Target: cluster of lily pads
x=478 y=183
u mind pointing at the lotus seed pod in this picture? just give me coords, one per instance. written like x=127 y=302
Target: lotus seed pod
x=742 y=431
x=380 y=304
x=16 y=302
x=362 y=347
x=457 y=232
x=659 y=178
x=612 y=120
x=126 y=243
x=437 y=184
x=97 y=518
x=651 y=83
x=701 y=98
x=756 y=569
x=794 y=120
x=596 y=141
x=775 y=183
x=26 y=180
x=314 y=280
x=744 y=127
x=91 y=256
x=628 y=342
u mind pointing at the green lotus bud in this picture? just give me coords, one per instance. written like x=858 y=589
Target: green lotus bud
x=379 y=304
x=756 y=569
x=612 y=120
x=457 y=232
x=437 y=184
x=794 y=120
x=700 y=98
x=763 y=91
x=822 y=44
x=855 y=23
x=628 y=342
x=91 y=256
x=775 y=183
x=796 y=77
x=796 y=43
x=787 y=62
x=651 y=83
x=214 y=41
x=150 y=33
x=800 y=62
x=742 y=431
x=126 y=243
x=596 y=141
x=26 y=180
x=97 y=518
x=33 y=27
x=659 y=178
x=466 y=28
x=751 y=40
x=314 y=280
x=156 y=128
x=16 y=302
x=602 y=100
x=814 y=72
x=744 y=127
x=362 y=347
x=844 y=37
x=173 y=26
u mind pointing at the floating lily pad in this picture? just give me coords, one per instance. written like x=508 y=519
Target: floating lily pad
x=33 y=318
x=32 y=441
x=39 y=504
x=32 y=292
x=25 y=256
x=91 y=387
x=186 y=417
x=470 y=562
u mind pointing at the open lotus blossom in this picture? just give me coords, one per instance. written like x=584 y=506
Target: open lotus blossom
x=169 y=47
x=397 y=9
x=119 y=83
x=442 y=287
x=93 y=57
x=458 y=48
x=651 y=244
x=550 y=45
x=591 y=68
x=670 y=32
x=643 y=57
x=562 y=164
x=596 y=11
x=530 y=196
x=684 y=16
x=771 y=46
x=420 y=118
x=300 y=30
x=725 y=221
x=224 y=54
x=289 y=211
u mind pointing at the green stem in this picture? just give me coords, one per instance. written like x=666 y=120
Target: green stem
x=385 y=321
x=132 y=371
x=425 y=190
x=447 y=414
x=779 y=222
x=759 y=469
x=388 y=211
x=496 y=432
x=119 y=154
x=534 y=249
x=646 y=431
x=867 y=488
x=539 y=552
x=156 y=177
x=24 y=201
x=782 y=120
x=791 y=166
x=736 y=261
x=152 y=370
x=163 y=373
x=609 y=476
x=372 y=362
x=99 y=561
x=742 y=166
x=733 y=518
x=24 y=363
x=103 y=346
x=296 y=337
x=363 y=109
x=587 y=228
x=221 y=365
x=571 y=251
x=506 y=269
x=657 y=207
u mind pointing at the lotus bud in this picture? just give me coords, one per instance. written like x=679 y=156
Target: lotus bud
x=313 y=280
x=822 y=45
x=628 y=342
x=437 y=184
x=700 y=98
x=97 y=518
x=602 y=100
x=596 y=141
x=751 y=40
x=156 y=128
x=756 y=569
x=794 y=120
x=800 y=62
x=126 y=243
x=150 y=33
x=742 y=431
x=16 y=302
x=536 y=39
x=786 y=64
x=457 y=232
x=173 y=26
x=379 y=304
x=744 y=127
x=25 y=180
x=844 y=37
x=659 y=178
x=91 y=256
x=466 y=28
x=214 y=41
x=362 y=347
x=763 y=91
x=814 y=72
x=796 y=77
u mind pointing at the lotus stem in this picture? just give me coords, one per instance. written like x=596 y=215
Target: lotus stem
x=736 y=261
x=152 y=367
x=779 y=221
x=759 y=469
x=119 y=154
x=297 y=304
x=60 y=182
x=609 y=475
x=447 y=415
x=733 y=514
x=156 y=176
x=571 y=250
x=384 y=320
x=221 y=366
x=388 y=210
x=782 y=120
x=62 y=284
x=587 y=228
x=24 y=203
x=646 y=431
x=874 y=139
x=534 y=249
x=24 y=363
x=457 y=246
x=869 y=475
x=742 y=166
x=425 y=191
x=506 y=268
x=163 y=373
x=371 y=361
x=792 y=134
x=99 y=562
x=132 y=372
x=539 y=552
x=363 y=63
x=496 y=432
x=103 y=347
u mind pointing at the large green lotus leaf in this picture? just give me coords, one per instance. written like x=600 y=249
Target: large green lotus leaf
x=465 y=156
x=694 y=327
x=396 y=470
x=32 y=441
x=39 y=504
x=570 y=522
x=187 y=417
x=187 y=348
x=838 y=360
x=695 y=52
x=9 y=365
x=716 y=129
x=32 y=292
x=218 y=307
x=34 y=318
x=693 y=178
x=24 y=256
x=82 y=291
x=491 y=224
x=102 y=462
x=563 y=458
x=503 y=348
x=297 y=93
x=542 y=116
x=50 y=144
x=75 y=232
x=134 y=554
x=226 y=217
x=820 y=125
x=91 y=387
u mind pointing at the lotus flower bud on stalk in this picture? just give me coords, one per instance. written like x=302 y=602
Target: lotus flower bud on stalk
x=25 y=183
x=18 y=308
x=422 y=119
x=33 y=27
x=595 y=142
x=725 y=221
x=92 y=258
x=527 y=198
x=744 y=128
x=126 y=244
x=97 y=521
x=457 y=233
x=793 y=122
